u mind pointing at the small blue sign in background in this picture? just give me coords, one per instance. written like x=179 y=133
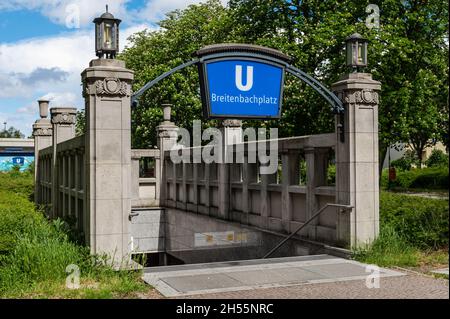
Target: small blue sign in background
x=244 y=88
x=7 y=163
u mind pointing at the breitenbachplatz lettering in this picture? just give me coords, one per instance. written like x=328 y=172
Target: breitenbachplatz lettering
x=226 y=98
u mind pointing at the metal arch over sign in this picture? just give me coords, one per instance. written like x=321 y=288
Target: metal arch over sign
x=242 y=81
x=237 y=81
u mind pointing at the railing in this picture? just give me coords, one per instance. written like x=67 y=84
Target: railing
x=71 y=181
x=145 y=179
x=69 y=202
x=280 y=202
x=44 y=177
x=317 y=214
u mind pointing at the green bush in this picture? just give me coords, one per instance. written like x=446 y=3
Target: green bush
x=422 y=222
x=416 y=178
x=409 y=225
x=402 y=164
x=406 y=162
x=331 y=174
x=437 y=158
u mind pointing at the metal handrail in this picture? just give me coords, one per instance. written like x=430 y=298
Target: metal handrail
x=346 y=208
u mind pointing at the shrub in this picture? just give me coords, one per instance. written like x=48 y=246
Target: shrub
x=402 y=164
x=406 y=162
x=437 y=158
x=425 y=178
x=422 y=222
x=331 y=174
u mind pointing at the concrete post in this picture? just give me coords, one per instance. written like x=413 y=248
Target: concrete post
x=63 y=123
x=316 y=168
x=290 y=171
x=231 y=134
x=42 y=133
x=167 y=138
x=107 y=91
x=357 y=159
x=135 y=178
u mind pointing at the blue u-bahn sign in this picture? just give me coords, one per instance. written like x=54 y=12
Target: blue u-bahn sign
x=243 y=88
x=240 y=81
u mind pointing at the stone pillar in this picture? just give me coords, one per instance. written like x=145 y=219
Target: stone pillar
x=290 y=171
x=135 y=179
x=167 y=138
x=357 y=159
x=316 y=168
x=231 y=134
x=42 y=133
x=63 y=123
x=107 y=91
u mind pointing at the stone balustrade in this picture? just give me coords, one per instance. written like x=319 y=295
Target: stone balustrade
x=278 y=202
x=145 y=179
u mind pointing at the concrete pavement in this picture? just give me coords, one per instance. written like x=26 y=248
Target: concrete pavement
x=251 y=275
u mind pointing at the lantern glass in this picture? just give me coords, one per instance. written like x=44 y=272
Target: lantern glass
x=107 y=35
x=356 y=51
x=349 y=52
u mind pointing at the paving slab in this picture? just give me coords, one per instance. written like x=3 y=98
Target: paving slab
x=196 y=279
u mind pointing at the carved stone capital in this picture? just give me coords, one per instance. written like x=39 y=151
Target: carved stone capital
x=167 y=133
x=42 y=131
x=108 y=86
x=359 y=97
x=64 y=118
x=231 y=123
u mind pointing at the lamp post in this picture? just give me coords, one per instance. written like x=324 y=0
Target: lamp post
x=106 y=35
x=356 y=51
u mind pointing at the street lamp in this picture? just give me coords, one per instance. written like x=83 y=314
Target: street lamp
x=356 y=51
x=106 y=35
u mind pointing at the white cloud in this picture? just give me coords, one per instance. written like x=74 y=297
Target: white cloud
x=155 y=10
x=59 y=11
x=61 y=98
x=47 y=67
x=29 y=109
x=51 y=66
x=63 y=11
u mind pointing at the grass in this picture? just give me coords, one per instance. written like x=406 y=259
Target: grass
x=389 y=249
x=35 y=252
x=413 y=234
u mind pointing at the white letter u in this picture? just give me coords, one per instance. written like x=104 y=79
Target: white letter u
x=248 y=86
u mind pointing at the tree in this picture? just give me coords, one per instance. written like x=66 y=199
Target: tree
x=80 y=124
x=11 y=133
x=153 y=53
x=407 y=53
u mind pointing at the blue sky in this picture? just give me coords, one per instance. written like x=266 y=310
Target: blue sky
x=46 y=44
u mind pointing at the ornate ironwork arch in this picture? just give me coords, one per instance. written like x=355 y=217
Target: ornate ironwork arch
x=219 y=51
